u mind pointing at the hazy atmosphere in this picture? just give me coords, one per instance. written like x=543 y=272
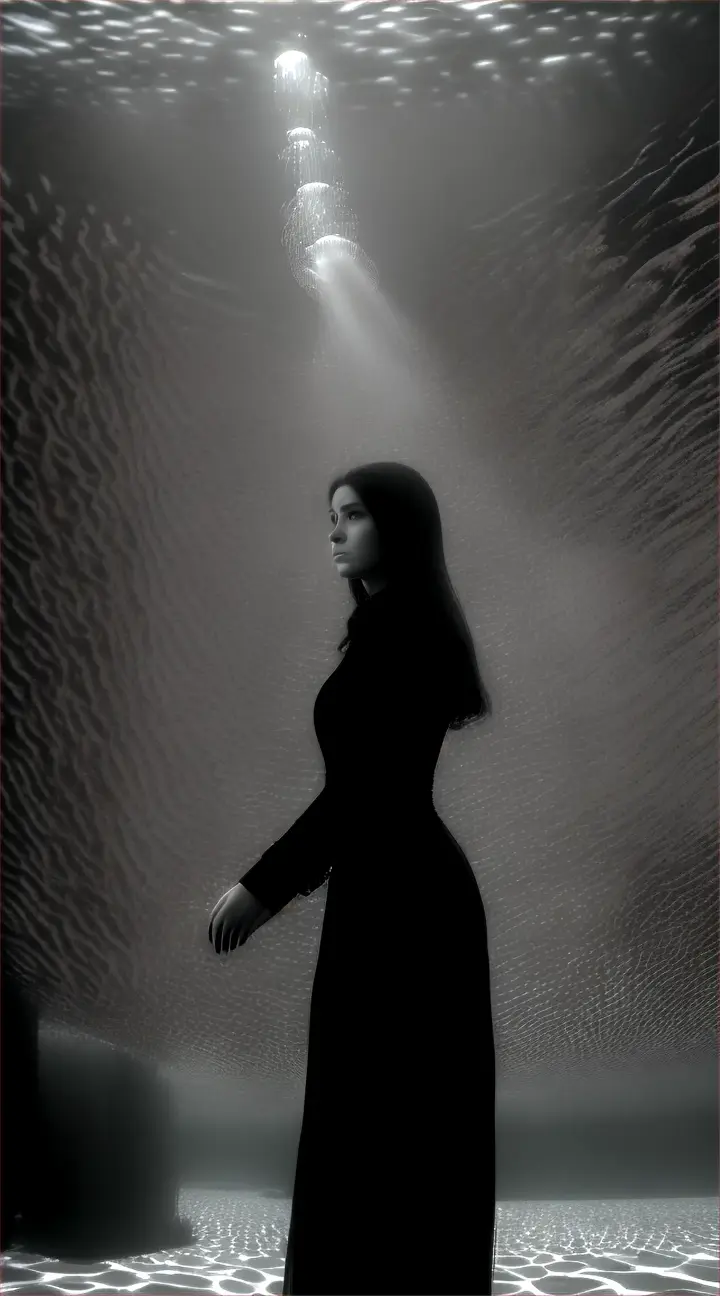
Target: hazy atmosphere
x=490 y=252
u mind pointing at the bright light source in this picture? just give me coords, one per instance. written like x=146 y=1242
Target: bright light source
x=314 y=189
x=328 y=253
x=292 y=62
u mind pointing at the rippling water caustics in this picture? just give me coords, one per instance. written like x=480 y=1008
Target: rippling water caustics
x=378 y=52
x=555 y=1249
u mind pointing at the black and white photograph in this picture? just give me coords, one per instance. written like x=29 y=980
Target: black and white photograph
x=359 y=883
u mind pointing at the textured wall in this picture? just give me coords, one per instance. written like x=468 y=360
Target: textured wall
x=171 y=609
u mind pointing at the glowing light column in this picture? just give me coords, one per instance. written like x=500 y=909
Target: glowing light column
x=320 y=234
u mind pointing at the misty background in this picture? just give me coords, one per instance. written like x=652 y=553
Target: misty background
x=545 y=238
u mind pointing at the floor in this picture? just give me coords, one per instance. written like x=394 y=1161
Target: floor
x=542 y=1249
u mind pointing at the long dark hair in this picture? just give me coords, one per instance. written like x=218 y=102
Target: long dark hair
x=405 y=511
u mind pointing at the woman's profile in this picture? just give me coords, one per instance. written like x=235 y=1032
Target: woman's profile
x=395 y=1180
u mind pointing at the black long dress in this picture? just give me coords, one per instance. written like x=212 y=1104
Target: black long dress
x=395 y=1180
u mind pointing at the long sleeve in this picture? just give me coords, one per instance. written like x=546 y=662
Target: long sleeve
x=300 y=861
x=380 y=720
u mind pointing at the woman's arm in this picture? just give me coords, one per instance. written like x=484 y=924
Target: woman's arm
x=396 y=694
x=300 y=861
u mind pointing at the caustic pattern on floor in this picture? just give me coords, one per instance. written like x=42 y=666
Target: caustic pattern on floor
x=567 y=1248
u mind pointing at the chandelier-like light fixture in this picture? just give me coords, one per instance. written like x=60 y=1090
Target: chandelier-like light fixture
x=320 y=233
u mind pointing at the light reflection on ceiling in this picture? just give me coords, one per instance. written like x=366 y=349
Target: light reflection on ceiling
x=389 y=54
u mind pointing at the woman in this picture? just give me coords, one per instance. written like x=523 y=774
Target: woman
x=395 y=1181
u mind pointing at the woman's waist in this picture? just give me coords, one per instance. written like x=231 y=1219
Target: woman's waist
x=364 y=817
x=395 y=825
x=401 y=796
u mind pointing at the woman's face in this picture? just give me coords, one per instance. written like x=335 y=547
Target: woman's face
x=354 y=538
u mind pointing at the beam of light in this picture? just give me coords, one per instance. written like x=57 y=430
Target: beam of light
x=318 y=209
x=300 y=92
x=320 y=232
x=332 y=257
x=309 y=159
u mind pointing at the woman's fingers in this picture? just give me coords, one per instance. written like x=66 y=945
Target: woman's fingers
x=227 y=938
x=226 y=935
x=218 y=906
x=213 y=917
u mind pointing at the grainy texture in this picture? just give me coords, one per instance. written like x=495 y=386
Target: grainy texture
x=168 y=616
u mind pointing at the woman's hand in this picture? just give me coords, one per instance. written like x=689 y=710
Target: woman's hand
x=236 y=916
